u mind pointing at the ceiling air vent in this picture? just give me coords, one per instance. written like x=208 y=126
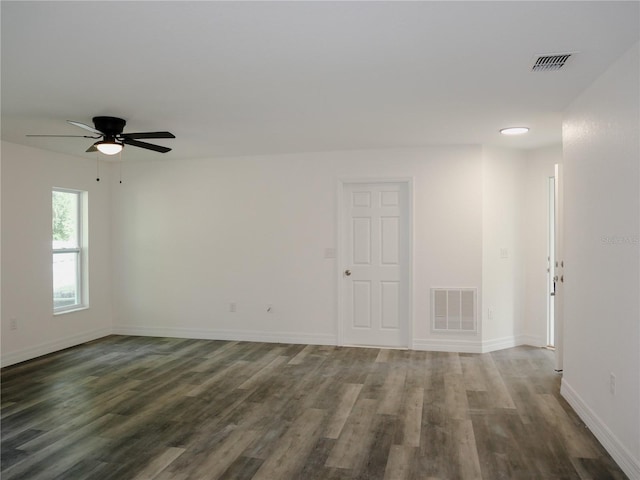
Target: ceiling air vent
x=550 y=62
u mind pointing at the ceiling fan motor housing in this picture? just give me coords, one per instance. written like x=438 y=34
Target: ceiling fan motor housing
x=110 y=126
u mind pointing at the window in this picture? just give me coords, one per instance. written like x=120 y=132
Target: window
x=69 y=255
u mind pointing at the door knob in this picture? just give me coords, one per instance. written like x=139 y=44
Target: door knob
x=347 y=272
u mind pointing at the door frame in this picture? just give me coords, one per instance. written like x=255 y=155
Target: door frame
x=341 y=257
x=551 y=259
x=558 y=300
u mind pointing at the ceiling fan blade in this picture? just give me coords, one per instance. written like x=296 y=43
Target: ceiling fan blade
x=92 y=148
x=68 y=136
x=148 y=135
x=86 y=127
x=148 y=146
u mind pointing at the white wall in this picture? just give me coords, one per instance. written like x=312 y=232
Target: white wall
x=2 y=320
x=502 y=251
x=192 y=236
x=539 y=166
x=602 y=260
x=515 y=220
x=28 y=176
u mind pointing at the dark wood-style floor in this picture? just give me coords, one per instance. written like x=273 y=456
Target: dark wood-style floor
x=173 y=409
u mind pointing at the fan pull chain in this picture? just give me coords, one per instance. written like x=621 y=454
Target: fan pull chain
x=97 y=167
x=120 y=168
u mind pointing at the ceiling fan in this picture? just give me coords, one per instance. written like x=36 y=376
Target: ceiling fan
x=112 y=140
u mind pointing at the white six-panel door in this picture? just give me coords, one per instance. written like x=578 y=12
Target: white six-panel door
x=375 y=234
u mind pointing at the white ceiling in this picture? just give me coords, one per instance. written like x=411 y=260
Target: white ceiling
x=243 y=78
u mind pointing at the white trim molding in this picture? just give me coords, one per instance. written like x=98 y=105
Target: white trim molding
x=472 y=345
x=622 y=456
x=50 y=347
x=456 y=345
x=231 y=335
x=532 y=340
x=500 y=344
x=451 y=345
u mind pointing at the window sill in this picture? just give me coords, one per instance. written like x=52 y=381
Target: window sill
x=71 y=310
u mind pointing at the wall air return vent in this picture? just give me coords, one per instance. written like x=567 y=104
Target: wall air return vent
x=550 y=62
x=453 y=310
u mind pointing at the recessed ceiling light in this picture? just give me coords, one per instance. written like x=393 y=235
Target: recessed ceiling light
x=514 y=130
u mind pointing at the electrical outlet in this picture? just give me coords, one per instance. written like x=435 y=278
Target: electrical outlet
x=612 y=384
x=232 y=307
x=13 y=324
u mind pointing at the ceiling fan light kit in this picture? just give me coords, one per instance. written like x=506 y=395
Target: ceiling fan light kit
x=109 y=147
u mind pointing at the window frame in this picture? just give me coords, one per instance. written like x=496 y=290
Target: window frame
x=79 y=250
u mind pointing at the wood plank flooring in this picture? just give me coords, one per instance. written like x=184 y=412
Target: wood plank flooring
x=175 y=409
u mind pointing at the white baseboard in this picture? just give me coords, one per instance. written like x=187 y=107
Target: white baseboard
x=465 y=345
x=457 y=345
x=532 y=340
x=53 y=346
x=622 y=456
x=238 y=335
x=430 y=344
x=500 y=344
